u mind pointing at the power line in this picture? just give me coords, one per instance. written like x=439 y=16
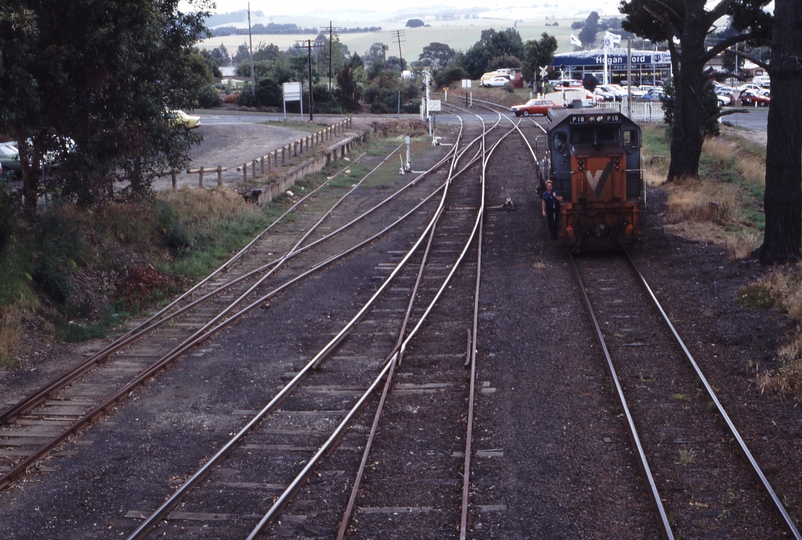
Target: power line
x=331 y=53
x=310 y=43
x=398 y=34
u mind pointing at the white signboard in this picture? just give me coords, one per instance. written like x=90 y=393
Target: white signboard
x=435 y=105
x=466 y=83
x=292 y=91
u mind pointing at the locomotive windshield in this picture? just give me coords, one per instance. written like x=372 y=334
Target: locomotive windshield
x=595 y=135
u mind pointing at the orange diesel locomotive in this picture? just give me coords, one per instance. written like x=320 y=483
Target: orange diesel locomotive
x=593 y=158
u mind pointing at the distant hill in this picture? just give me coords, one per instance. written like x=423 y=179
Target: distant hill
x=234 y=18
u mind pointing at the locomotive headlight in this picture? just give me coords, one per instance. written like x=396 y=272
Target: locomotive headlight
x=581 y=165
x=617 y=164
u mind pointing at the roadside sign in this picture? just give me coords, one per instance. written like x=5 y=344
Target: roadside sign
x=292 y=91
x=435 y=105
x=466 y=83
x=543 y=72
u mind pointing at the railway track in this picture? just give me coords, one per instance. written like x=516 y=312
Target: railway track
x=378 y=337
x=377 y=403
x=35 y=425
x=701 y=474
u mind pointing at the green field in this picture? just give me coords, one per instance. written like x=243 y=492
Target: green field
x=459 y=35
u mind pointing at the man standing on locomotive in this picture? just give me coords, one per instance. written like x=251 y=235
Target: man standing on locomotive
x=551 y=208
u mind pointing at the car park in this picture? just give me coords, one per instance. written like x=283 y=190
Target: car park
x=618 y=92
x=179 y=117
x=496 y=81
x=534 y=107
x=634 y=91
x=601 y=95
x=754 y=99
x=655 y=94
x=567 y=84
x=748 y=86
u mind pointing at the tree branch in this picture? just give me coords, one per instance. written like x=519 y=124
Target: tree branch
x=751 y=58
x=718 y=11
x=715 y=117
x=724 y=44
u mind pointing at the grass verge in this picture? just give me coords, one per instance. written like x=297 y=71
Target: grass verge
x=724 y=206
x=76 y=274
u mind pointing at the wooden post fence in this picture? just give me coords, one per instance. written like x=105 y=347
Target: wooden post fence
x=201 y=171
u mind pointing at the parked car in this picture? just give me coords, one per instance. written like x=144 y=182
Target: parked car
x=724 y=99
x=655 y=94
x=9 y=158
x=750 y=98
x=601 y=95
x=636 y=92
x=496 y=81
x=534 y=106
x=568 y=84
x=748 y=86
x=177 y=116
x=618 y=92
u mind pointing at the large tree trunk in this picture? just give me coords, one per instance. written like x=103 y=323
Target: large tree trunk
x=688 y=131
x=782 y=201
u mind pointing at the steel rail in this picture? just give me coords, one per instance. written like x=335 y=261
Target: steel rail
x=665 y=525
x=395 y=360
x=712 y=395
x=150 y=522
x=200 y=336
x=146 y=327
x=181 y=349
x=300 y=478
x=154 y=321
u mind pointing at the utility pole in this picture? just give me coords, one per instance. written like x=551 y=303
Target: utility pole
x=398 y=34
x=309 y=44
x=250 y=51
x=331 y=50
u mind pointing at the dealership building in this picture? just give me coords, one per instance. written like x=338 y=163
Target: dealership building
x=647 y=66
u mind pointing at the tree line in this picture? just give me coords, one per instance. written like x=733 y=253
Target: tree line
x=283 y=29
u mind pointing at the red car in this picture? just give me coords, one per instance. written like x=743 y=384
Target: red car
x=749 y=98
x=534 y=106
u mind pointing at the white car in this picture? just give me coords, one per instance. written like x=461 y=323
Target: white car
x=636 y=92
x=498 y=80
x=749 y=86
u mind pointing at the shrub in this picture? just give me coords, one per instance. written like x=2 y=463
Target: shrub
x=209 y=97
x=445 y=77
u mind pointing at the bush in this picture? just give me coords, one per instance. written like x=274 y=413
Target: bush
x=445 y=77
x=61 y=245
x=209 y=97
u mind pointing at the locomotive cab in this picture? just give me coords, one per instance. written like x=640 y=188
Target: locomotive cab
x=593 y=158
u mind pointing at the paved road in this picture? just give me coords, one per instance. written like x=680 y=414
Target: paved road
x=756 y=119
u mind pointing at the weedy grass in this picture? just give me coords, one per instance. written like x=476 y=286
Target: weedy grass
x=780 y=289
x=724 y=205
x=82 y=272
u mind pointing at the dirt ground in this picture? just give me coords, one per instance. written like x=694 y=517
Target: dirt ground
x=535 y=406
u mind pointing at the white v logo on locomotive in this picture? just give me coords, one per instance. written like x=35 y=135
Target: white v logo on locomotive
x=593 y=180
x=598 y=180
